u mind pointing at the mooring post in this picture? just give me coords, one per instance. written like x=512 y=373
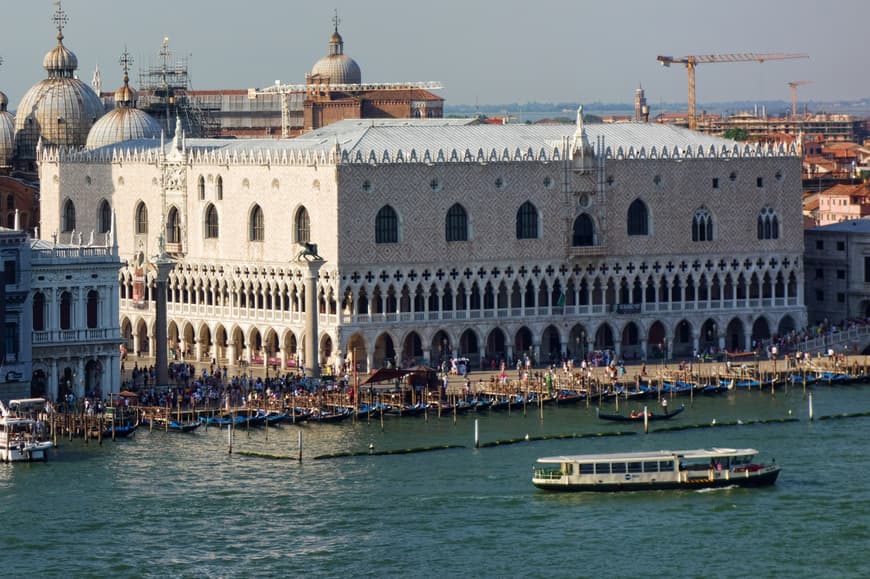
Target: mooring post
x=300 y=446
x=645 y=421
x=811 y=406
x=476 y=435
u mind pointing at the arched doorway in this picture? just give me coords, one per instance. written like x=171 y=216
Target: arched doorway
x=441 y=346
x=631 y=342
x=577 y=341
x=238 y=343
x=38 y=384
x=708 y=341
x=206 y=348
x=270 y=347
x=412 y=350
x=290 y=347
x=683 y=343
x=786 y=326
x=325 y=351
x=357 y=353
x=657 y=340
x=735 y=339
x=93 y=379
x=219 y=352
x=142 y=336
x=760 y=332
x=523 y=343
x=496 y=344
x=468 y=347
x=172 y=337
x=551 y=347
x=604 y=337
x=187 y=338
x=385 y=352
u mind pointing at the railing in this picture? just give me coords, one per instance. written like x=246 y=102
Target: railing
x=71 y=336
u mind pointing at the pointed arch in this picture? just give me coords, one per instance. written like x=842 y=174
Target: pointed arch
x=211 y=226
x=302 y=226
x=638 y=218
x=387 y=225
x=583 y=231
x=456 y=224
x=142 y=218
x=104 y=217
x=527 y=221
x=68 y=223
x=256 y=224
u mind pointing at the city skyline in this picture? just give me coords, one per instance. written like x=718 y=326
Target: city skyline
x=487 y=53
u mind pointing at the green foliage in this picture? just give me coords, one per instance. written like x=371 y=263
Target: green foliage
x=736 y=134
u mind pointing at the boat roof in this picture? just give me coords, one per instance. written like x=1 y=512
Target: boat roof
x=700 y=453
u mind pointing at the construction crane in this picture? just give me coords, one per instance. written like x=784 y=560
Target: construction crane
x=794 y=84
x=690 y=61
x=298 y=92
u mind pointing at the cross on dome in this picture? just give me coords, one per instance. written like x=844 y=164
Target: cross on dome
x=125 y=61
x=336 y=20
x=60 y=19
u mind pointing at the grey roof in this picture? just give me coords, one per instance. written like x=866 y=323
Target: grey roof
x=379 y=135
x=851 y=226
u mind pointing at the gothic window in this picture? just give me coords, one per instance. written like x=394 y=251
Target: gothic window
x=303 y=226
x=141 y=218
x=173 y=227
x=768 y=224
x=638 y=218
x=104 y=217
x=200 y=187
x=456 y=224
x=219 y=188
x=386 y=226
x=527 y=221
x=584 y=231
x=211 y=222
x=257 y=227
x=702 y=226
x=69 y=216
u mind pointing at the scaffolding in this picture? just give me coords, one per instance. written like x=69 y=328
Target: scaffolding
x=164 y=93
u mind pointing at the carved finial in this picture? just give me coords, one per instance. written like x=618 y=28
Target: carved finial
x=60 y=20
x=336 y=20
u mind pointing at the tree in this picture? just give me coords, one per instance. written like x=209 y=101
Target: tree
x=736 y=134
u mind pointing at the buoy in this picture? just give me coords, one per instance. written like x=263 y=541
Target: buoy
x=714 y=422
x=527 y=436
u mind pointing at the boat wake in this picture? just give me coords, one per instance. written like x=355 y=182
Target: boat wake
x=717 y=489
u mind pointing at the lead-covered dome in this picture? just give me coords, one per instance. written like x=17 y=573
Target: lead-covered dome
x=60 y=110
x=7 y=132
x=124 y=123
x=336 y=66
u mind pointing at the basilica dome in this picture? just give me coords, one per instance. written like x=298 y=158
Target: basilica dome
x=336 y=66
x=7 y=132
x=124 y=123
x=60 y=110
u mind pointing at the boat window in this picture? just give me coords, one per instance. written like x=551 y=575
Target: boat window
x=617 y=467
x=568 y=468
x=634 y=466
x=587 y=469
x=666 y=465
x=603 y=468
x=651 y=466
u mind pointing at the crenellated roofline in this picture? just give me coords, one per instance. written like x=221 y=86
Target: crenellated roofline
x=282 y=156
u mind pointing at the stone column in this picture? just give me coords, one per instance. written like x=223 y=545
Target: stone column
x=163 y=265
x=312 y=265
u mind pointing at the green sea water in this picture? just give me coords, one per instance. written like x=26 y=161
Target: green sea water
x=179 y=505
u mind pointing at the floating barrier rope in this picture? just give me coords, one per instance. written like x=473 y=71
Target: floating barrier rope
x=386 y=452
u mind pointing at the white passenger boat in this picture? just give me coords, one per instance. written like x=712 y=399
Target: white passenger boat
x=23 y=436
x=662 y=469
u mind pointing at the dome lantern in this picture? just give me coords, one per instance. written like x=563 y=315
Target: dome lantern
x=336 y=67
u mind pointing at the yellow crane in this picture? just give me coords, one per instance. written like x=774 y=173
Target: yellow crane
x=690 y=61
x=794 y=84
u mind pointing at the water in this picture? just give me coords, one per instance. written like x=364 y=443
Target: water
x=165 y=504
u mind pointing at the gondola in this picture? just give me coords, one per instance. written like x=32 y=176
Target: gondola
x=638 y=416
x=120 y=431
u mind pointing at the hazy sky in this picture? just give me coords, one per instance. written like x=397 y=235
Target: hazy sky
x=487 y=52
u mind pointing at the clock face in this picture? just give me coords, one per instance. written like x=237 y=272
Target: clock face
x=583 y=200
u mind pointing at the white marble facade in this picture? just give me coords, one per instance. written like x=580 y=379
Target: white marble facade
x=540 y=259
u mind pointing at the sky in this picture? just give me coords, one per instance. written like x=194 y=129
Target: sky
x=482 y=51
